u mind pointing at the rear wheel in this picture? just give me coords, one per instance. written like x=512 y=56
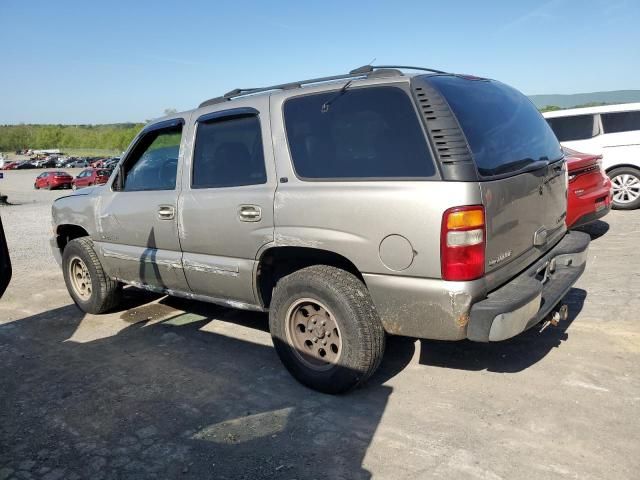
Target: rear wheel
x=325 y=328
x=625 y=182
x=35 y=185
x=90 y=288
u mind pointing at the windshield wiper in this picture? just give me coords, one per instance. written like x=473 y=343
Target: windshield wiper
x=327 y=104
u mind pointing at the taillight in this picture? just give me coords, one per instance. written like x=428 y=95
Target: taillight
x=462 y=243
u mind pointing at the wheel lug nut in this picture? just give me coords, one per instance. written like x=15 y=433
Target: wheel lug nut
x=323 y=323
x=313 y=321
x=315 y=339
x=328 y=334
x=324 y=342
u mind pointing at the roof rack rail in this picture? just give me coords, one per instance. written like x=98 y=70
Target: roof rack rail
x=239 y=92
x=370 y=68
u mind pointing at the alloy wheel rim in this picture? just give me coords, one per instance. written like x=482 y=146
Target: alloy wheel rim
x=314 y=334
x=626 y=188
x=80 y=278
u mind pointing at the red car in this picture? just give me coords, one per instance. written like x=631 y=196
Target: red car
x=52 y=180
x=589 y=196
x=10 y=165
x=91 y=176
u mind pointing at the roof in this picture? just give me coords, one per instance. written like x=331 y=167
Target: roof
x=569 y=112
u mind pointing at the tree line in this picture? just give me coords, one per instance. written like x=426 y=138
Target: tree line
x=114 y=136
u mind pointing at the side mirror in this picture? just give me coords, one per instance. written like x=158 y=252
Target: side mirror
x=5 y=262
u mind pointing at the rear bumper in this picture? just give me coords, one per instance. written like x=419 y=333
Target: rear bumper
x=532 y=295
x=591 y=217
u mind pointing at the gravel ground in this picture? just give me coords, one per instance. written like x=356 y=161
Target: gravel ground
x=166 y=388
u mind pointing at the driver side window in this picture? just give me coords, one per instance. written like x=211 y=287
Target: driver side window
x=153 y=164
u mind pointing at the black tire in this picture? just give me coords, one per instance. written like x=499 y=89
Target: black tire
x=105 y=293
x=35 y=186
x=617 y=172
x=362 y=336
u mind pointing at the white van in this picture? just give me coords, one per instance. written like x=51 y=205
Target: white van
x=612 y=131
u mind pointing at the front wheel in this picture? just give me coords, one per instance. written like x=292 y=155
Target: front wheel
x=625 y=183
x=90 y=288
x=35 y=186
x=325 y=328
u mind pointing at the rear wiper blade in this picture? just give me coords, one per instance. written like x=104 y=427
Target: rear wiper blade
x=327 y=104
x=521 y=166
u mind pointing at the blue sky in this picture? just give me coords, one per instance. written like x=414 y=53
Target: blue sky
x=69 y=61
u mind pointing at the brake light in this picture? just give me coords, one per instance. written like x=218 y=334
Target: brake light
x=462 y=243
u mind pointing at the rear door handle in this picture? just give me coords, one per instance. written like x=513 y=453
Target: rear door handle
x=166 y=212
x=250 y=213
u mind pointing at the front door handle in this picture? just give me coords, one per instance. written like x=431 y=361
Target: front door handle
x=166 y=212
x=250 y=213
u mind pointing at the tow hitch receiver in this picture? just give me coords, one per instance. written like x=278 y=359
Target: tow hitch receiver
x=556 y=316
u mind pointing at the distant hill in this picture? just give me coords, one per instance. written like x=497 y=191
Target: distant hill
x=568 y=101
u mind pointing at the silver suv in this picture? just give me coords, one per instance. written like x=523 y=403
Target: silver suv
x=428 y=204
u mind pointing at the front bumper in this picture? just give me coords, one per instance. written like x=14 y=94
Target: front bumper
x=55 y=250
x=531 y=296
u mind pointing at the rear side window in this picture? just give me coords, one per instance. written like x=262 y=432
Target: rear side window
x=620 y=122
x=504 y=129
x=578 y=127
x=365 y=133
x=228 y=153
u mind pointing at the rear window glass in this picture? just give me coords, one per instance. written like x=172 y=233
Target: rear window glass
x=504 y=129
x=577 y=127
x=103 y=173
x=620 y=122
x=360 y=133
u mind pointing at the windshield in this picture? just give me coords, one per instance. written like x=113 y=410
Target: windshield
x=505 y=131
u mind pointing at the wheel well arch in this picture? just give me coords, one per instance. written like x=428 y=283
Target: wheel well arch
x=622 y=165
x=277 y=262
x=67 y=232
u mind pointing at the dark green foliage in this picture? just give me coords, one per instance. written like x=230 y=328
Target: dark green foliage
x=115 y=136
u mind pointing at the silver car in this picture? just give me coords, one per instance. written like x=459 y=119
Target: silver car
x=424 y=204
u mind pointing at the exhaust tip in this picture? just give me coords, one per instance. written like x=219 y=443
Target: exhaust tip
x=564 y=312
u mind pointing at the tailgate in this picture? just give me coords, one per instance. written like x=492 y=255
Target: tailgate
x=525 y=214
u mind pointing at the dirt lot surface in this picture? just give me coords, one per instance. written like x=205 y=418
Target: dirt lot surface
x=166 y=388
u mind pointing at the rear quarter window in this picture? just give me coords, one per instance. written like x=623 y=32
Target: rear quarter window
x=577 y=127
x=504 y=130
x=621 y=122
x=361 y=133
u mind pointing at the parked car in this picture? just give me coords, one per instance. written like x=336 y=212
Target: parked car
x=589 y=188
x=111 y=163
x=26 y=164
x=90 y=177
x=51 y=180
x=10 y=165
x=77 y=164
x=612 y=131
x=430 y=205
x=62 y=162
x=49 y=163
